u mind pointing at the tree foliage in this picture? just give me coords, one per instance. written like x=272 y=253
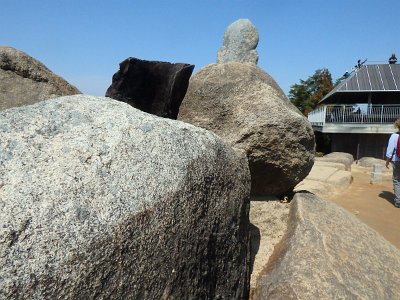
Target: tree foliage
x=307 y=94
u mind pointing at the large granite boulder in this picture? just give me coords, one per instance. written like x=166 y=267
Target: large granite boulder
x=24 y=80
x=244 y=105
x=155 y=87
x=328 y=253
x=240 y=43
x=99 y=200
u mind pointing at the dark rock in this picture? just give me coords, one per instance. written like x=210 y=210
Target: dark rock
x=99 y=200
x=24 y=80
x=155 y=87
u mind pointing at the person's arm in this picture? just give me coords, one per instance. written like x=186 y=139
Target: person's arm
x=388 y=160
x=391 y=148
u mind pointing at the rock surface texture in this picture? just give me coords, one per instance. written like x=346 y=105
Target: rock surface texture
x=99 y=200
x=338 y=157
x=155 y=87
x=244 y=105
x=369 y=162
x=24 y=80
x=328 y=253
x=325 y=179
x=240 y=43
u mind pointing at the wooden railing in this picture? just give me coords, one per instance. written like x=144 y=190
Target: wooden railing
x=357 y=113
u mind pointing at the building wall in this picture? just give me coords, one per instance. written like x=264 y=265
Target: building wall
x=360 y=145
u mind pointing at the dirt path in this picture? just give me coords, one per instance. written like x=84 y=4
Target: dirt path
x=372 y=204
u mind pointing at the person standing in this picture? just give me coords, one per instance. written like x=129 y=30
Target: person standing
x=391 y=157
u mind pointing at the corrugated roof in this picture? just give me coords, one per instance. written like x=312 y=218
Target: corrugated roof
x=370 y=78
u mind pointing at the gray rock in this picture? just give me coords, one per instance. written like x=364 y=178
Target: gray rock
x=328 y=253
x=99 y=200
x=24 y=80
x=240 y=43
x=244 y=105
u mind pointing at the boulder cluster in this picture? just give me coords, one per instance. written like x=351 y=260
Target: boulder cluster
x=145 y=193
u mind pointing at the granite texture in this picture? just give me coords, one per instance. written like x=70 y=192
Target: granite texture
x=240 y=43
x=99 y=200
x=244 y=105
x=328 y=253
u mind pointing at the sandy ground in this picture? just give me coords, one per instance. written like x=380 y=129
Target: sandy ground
x=268 y=218
x=372 y=204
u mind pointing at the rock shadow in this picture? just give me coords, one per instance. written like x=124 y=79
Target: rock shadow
x=255 y=238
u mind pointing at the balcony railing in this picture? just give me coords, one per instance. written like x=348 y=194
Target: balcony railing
x=357 y=113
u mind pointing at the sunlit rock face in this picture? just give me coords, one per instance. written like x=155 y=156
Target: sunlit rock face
x=328 y=253
x=246 y=108
x=24 y=80
x=99 y=200
x=240 y=42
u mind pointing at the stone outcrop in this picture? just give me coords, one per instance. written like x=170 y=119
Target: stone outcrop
x=338 y=157
x=336 y=165
x=328 y=253
x=240 y=43
x=99 y=200
x=244 y=105
x=375 y=168
x=369 y=162
x=326 y=178
x=24 y=80
x=155 y=87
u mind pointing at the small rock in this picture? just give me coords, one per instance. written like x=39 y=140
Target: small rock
x=240 y=43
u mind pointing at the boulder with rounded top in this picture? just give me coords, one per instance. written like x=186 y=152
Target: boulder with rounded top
x=245 y=106
x=24 y=80
x=99 y=200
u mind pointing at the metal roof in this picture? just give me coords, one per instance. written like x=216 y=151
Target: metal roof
x=370 y=78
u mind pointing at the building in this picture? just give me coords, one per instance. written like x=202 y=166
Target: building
x=359 y=113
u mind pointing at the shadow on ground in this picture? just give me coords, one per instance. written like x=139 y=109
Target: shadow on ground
x=255 y=237
x=388 y=196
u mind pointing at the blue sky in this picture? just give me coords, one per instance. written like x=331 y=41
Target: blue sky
x=84 y=41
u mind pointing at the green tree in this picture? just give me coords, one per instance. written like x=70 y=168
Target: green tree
x=307 y=94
